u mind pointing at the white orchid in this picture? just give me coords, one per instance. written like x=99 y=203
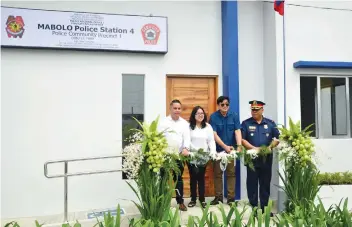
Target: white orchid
x=286 y=151
x=135 y=137
x=283 y=145
x=253 y=153
x=234 y=154
x=133 y=159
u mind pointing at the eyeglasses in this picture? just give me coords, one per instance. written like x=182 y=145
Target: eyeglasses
x=200 y=114
x=224 y=104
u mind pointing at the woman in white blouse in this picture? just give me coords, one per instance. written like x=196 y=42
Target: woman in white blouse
x=202 y=137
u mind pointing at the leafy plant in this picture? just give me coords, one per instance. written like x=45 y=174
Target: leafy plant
x=154 y=180
x=301 y=186
x=13 y=223
x=40 y=225
x=300 y=178
x=170 y=219
x=317 y=215
x=296 y=146
x=77 y=224
x=154 y=194
x=110 y=220
x=260 y=218
x=234 y=218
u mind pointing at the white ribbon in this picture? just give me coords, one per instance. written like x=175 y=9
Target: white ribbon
x=223 y=158
x=223 y=166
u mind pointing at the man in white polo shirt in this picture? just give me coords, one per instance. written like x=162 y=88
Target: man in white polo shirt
x=179 y=139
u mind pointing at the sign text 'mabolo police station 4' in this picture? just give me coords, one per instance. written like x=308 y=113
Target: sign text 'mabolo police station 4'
x=34 y=28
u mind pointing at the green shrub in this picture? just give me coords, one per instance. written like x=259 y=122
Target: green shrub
x=339 y=178
x=317 y=215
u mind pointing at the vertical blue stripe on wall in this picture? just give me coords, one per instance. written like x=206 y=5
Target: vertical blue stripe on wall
x=230 y=78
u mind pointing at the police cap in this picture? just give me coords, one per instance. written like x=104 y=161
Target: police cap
x=256 y=105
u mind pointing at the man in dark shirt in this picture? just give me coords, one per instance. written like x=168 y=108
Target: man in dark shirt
x=226 y=126
x=259 y=131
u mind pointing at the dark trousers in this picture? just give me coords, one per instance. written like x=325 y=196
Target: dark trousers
x=179 y=183
x=261 y=175
x=197 y=175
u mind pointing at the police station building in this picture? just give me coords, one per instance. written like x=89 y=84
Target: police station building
x=73 y=74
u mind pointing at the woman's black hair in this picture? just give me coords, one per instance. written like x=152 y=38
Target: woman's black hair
x=192 y=118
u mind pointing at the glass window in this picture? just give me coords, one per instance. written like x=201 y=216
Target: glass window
x=350 y=98
x=309 y=103
x=329 y=113
x=132 y=105
x=333 y=107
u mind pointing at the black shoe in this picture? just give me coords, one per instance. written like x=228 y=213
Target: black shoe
x=203 y=204
x=216 y=201
x=192 y=204
x=263 y=210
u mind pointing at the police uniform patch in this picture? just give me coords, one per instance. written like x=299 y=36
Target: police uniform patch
x=251 y=128
x=266 y=126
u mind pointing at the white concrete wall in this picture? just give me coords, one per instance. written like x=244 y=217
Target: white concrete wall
x=251 y=52
x=271 y=82
x=331 y=195
x=257 y=67
x=318 y=35
x=250 y=61
x=67 y=104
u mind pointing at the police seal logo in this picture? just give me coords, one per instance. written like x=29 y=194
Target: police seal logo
x=150 y=34
x=14 y=26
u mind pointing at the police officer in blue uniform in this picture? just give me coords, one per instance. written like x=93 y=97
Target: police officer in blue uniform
x=259 y=131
